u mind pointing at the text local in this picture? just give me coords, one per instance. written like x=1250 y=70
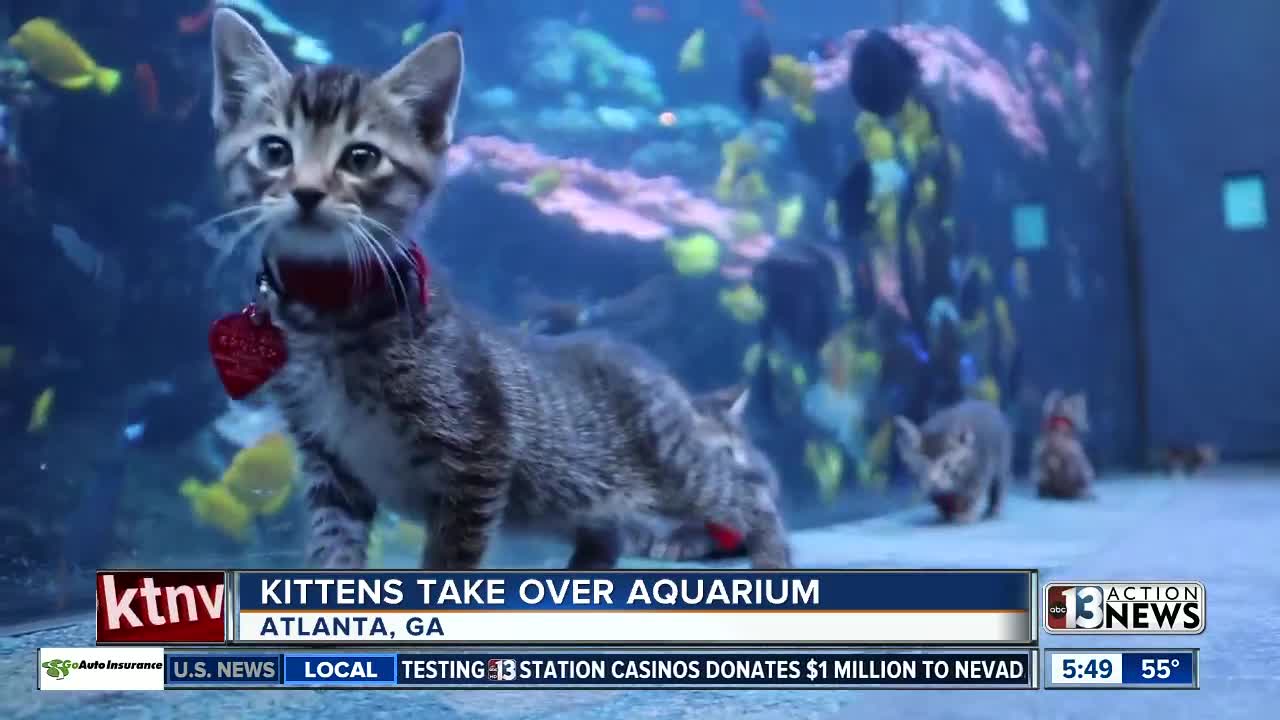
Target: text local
x=491 y=592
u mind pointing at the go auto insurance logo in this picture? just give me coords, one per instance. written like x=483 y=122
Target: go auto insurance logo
x=133 y=668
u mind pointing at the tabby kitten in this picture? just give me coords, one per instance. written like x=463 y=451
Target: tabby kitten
x=683 y=539
x=398 y=396
x=1059 y=465
x=961 y=455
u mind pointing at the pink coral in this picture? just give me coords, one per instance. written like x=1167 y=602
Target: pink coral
x=600 y=200
x=952 y=61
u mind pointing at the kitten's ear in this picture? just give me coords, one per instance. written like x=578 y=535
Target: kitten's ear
x=908 y=435
x=243 y=63
x=728 y=403
x=739 y=406
x=1079 y=410
x=1051 y=401
x=429 y=81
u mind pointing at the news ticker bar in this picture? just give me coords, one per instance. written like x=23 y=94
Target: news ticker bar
x=609 y=669
x=489 y=608
x=1127 y=669
x=155 y=668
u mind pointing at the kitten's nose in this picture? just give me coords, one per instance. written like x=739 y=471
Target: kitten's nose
x=308 y=199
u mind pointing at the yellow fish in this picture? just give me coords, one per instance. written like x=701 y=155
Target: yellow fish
x=743 y=303
x=691 y=51
x=261 y=476
x=695 y=255
x=7 y=352
x=926 y=192
x=826 y=462
x=57 y=57
x=790 y=213
x=792 y=78
x=215 y=506
x=41 y=410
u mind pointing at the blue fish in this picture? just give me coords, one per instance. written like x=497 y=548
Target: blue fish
x=913 y=343
x=968 y=371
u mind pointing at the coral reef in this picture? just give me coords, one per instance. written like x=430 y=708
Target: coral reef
x=617 y=203
x=563 y=56
x=952 y=61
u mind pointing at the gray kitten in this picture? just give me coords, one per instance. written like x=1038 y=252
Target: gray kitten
x=961 y=455
x=398 y=396
x=1060 y=466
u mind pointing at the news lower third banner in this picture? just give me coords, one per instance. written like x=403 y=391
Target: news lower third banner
x=635 y=607
x=606 y=669
x=691 y=608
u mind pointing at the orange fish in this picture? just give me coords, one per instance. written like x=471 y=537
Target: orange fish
x=755 y=8
x=644 y=12
x=148 y=90
x=185 y=106
x=192 y=24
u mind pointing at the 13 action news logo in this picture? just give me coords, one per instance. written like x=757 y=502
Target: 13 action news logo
x=1175 y=608
x=501 y=670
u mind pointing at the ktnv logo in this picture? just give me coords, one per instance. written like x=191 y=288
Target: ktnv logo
x=1175 y=608
x=161 y=607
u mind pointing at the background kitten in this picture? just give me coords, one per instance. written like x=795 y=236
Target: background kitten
x=1059 y=465
x=961 y=456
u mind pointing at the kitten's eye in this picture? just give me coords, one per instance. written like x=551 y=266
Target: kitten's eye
x=275 y=152
x=361 y=159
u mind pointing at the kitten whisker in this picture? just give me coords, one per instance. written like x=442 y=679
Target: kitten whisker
x=208 y=230
x=392 y=235
x=232 y=242
x=349 y=249
x=385 y=264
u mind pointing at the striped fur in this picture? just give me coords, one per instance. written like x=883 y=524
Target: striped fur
x=427 y=410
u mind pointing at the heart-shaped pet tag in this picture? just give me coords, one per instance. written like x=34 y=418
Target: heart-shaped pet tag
x=247 y=350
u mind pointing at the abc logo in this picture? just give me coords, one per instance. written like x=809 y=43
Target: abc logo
x=501 y=670
x=1070 y=607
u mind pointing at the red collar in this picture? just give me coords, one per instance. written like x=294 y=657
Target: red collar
x=336 y=287
x=1061 y=423
x=247 y=351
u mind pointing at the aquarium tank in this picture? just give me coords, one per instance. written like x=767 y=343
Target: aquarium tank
x=968 y=283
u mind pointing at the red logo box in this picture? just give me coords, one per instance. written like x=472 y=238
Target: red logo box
x=1055 y=611
x=161 y=607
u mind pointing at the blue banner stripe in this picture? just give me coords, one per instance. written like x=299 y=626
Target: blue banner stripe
x=223 y=669
x=1158 y=668
x=334 y=669
x=836 y=591
x=611 y=668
